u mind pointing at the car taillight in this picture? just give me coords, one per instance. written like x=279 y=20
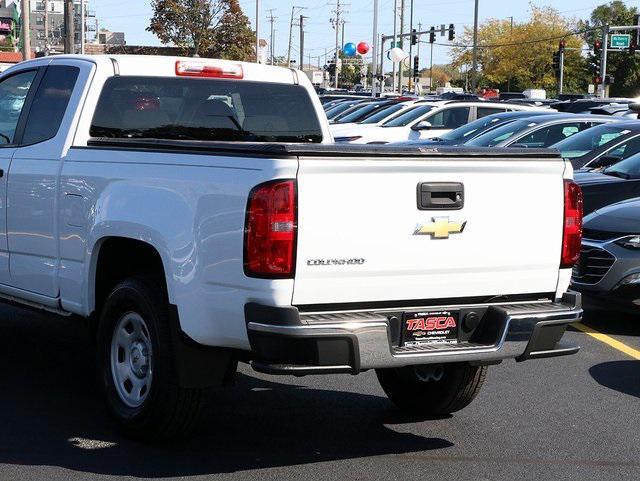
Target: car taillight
x=572 y=233
x=211 y=69
x=270 y=230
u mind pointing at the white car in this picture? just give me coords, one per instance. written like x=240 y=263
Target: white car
x=376 y=119
x=426 y=121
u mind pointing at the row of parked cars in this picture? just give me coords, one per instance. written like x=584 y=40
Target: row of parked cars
x=601 y=140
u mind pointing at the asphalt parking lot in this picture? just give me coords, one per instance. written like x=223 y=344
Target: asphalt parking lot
x=567 y=418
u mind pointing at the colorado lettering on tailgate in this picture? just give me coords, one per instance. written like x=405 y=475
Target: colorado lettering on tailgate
x=431 y=324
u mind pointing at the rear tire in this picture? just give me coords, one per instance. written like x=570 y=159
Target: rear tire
x=137 y=365
x=431 y=391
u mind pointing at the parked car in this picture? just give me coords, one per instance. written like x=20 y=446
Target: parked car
x=602 y=145
x=584 y=106
x=361 y=111
x=618 y=182
x=426 y=121
x=470 y=131
x=539 y=131
x=195 y=212
x=608 y=272
x=336 y=110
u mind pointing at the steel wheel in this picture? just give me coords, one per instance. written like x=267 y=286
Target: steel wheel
x=132 y=359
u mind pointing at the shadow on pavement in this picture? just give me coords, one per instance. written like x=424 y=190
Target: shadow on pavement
x=51 y=414
x=613 y=322
x=622 y=376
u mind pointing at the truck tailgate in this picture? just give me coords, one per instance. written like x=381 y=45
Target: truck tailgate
x=363 y=238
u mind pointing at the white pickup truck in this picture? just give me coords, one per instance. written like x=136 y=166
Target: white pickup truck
x=197 y=214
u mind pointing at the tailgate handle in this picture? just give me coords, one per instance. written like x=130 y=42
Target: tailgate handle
x=440 y=196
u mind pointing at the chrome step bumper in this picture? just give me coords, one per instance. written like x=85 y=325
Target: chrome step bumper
x=357 y=341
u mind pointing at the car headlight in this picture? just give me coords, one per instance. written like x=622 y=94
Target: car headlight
x=631 y=242
x=347 y=139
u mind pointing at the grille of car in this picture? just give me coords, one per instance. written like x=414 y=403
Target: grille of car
x=601 y=235
x=593 y=265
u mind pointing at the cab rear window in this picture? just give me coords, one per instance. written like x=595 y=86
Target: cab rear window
x=205 y=109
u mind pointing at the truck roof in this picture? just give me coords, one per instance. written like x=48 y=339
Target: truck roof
x=165 y=66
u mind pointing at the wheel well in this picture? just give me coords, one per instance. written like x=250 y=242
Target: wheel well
x=120 y=258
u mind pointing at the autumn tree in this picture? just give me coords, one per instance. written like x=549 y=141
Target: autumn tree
x=520 y=55
x=204 y=26
x=624 y=67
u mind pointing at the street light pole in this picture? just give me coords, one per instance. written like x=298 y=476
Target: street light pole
x=257 y=31
x=395 y=39
x=474 y=78
x=374 y=60
x=26 y=34
x=412 y=74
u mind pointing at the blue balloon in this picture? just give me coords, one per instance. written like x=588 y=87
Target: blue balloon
x=349 y=49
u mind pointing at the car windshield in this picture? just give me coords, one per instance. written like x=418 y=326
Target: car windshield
x=332 y=113
x=356 y=113
x=500 y=134
x=382 y=114
x=584 y=142
x=628 y=168
x=471 y=128
x=405 y=118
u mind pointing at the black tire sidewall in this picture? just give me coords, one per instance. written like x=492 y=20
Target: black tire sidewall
x=142 y=297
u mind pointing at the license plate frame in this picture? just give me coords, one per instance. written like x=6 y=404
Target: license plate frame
x=430 y=327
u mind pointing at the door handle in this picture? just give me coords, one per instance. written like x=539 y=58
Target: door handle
x=440 y=196
x=1 y=172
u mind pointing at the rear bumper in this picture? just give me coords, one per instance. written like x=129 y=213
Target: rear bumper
x=351 y=342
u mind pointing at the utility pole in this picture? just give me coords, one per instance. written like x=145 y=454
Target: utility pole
x=46 y=27
x=511 y=40
x=302 y=17
x=395 y=39
x=402 y=42
x=293 y=12
x=412 y=75
x=26 y=29
x=336 y=24
x=69 y=28
x=272 y=20
x=82 y=26
x=257 y=31
x=374 y=61
x=561 y=74
x=474 y=78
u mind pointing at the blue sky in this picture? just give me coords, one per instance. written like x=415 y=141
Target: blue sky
x=132 y=17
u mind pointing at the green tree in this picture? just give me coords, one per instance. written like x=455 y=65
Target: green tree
x=622 y=65
x=216 y=27
x=520 y=56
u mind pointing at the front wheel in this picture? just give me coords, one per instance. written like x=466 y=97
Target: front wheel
x=137 y=365
x=432 y=390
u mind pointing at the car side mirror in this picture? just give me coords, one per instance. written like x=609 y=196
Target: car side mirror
x=422 y=125
x=605 y=161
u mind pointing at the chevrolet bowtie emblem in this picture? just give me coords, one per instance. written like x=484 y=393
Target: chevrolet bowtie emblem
x=440 y=228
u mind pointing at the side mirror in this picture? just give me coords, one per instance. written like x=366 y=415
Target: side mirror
x=604 y=161
x=422 y=125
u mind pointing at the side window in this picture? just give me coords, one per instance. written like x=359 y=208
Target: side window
x=50 y=103
x=484 y=111
x=626 y=149
x=450 y=118
x=550 y=135
x=13 y=92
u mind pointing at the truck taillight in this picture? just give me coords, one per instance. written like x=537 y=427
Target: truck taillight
x=270 y=230
x=572 y=233
x=211 y=69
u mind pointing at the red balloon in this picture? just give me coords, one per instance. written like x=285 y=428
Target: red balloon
x=363 y=48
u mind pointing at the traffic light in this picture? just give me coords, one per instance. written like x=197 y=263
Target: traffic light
x=414 y=37
x=561 y=46
x=432 y=35
x=633 y=46
x=556 y=62
x=609 y=80
x=452 y=32
x=597 y=80
x=597 y=47
x=416 y=67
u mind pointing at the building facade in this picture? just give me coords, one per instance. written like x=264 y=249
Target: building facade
x=47 y=24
